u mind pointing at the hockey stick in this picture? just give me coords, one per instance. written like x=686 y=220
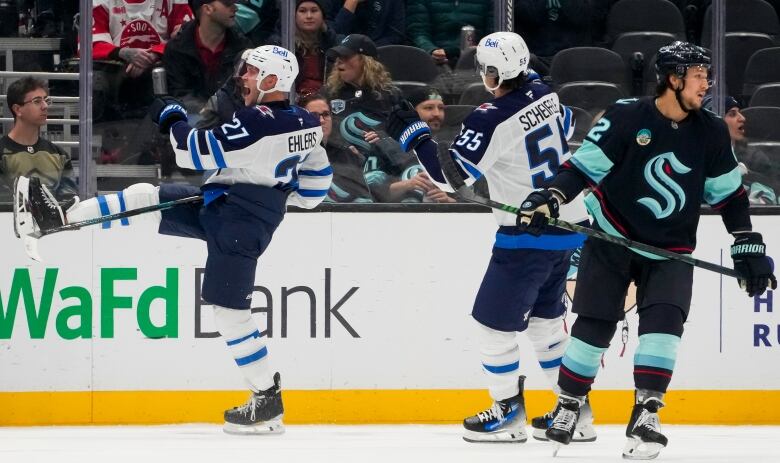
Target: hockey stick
x=31 y=240
x=450 y=171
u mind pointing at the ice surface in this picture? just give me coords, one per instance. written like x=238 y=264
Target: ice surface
x=365 y=444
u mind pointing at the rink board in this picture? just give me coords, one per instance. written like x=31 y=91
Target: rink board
x=369 y=318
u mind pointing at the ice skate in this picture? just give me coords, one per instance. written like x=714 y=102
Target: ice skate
x=561 y=430
x=36 y=211
x=583 y=431
x=262 y=414
x=503 y=422
x=645 y=440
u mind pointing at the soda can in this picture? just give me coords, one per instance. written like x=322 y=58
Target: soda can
x=159 y=83
x=467 y=37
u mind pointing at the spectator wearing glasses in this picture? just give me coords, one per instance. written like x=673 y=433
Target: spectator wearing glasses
x=200 y=58
x=381 y=20
x=361 y=94
x=349 y=184
x=312 y=38
x=24 y=152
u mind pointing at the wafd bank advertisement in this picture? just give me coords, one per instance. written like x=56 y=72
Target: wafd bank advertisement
x=359 y=310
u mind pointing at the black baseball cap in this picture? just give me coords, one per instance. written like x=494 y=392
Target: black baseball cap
x=352 y=45
x=195 y=4
x=420 y=94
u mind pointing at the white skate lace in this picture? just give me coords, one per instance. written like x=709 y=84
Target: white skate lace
x=250 y=407
x=494 y=412
x=564 y=420
x=649 y=420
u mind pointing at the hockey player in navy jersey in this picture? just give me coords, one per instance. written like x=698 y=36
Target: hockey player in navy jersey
x=517 y=141
x=651 y=163
x=268 y=157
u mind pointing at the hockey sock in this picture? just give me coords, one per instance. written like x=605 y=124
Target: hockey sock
x=589 y=339
x=245 y=345
x=550 y=341
x=500 y=361
x=132 y=197
x=660 y=328
x=654 y=361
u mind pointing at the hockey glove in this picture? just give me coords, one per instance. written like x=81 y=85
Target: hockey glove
x=534 y=211
x=165 y=111
x=404 y=125
x=752 y=264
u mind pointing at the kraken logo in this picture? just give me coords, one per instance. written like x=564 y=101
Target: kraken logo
x=353 y=134
x=657 y=172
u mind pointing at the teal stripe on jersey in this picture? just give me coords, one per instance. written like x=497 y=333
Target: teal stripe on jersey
x=592 y=161
x=582 y=358
x=594 y=208
x=657 y=350
x=719 y=188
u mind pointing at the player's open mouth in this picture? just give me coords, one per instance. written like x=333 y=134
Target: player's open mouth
x=245 y=91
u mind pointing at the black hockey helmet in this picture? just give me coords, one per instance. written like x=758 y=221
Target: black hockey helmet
x=677 y=57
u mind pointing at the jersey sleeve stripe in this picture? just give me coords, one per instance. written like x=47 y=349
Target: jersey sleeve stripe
x=317 y=173
x=203 y=146
x=216 y=149
x=592 y=161
x=193 y=146
x=467 y=166
x=308 y=193
x=721 y=187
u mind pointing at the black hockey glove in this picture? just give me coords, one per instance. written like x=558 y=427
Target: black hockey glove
x=404 y=125
x=534 y=211
x=164 y=111
x=752 y=264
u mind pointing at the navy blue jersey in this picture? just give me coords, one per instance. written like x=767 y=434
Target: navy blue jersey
x=650 y=174
x=273 y=144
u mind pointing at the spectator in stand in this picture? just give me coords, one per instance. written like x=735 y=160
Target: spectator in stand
x=435 y=25
x=380 y=20
x=200 y=58
x=759 y=176
x=24 y=152
x=429 y=104
x=361 y=94
x=133 y=32
x=312 y=39
x=349 y=184
x=550 y=26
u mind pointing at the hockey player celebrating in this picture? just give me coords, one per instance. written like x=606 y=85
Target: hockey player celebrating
x=651 y=162
x=517 y=141
x=268 y=157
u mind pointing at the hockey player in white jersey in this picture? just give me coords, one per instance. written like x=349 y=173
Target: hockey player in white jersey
x=269 y=156
x=517 y=141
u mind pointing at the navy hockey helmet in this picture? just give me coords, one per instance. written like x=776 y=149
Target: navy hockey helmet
x=678 y=57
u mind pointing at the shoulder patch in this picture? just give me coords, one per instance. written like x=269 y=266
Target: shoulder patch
x=265 y=111
x=485 y=107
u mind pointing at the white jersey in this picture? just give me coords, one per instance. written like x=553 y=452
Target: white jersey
x=274 y=145
x=517 y=142
x=145 y=24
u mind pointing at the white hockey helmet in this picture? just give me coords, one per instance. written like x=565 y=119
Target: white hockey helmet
x=503 y=55
x=273 y=60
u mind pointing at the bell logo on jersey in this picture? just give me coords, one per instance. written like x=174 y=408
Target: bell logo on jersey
x=657 y=171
